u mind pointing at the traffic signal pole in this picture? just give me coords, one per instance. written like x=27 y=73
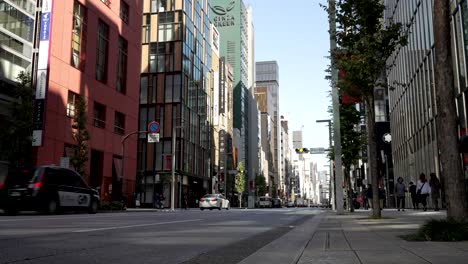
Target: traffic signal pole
x=336 y=110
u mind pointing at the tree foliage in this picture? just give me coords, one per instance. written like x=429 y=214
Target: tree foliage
x=81 y=137
x=16 y=135
x=364 y=43
x=260 y=185
x=239 y=184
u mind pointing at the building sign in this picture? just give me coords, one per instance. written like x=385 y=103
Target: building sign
x=223 y=18
x=222 y=150
x=41 y=74
x=222 y=85
x=216 y=98
x=214 y=40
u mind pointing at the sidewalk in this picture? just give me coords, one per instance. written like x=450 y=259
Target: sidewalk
x=355 y=238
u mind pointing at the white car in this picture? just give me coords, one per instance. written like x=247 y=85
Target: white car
x=210 y=201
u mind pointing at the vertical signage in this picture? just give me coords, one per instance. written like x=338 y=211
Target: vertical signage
x=215 y=40
x=222 y=150
x=42 y=75
x=222 y=85
x=216 y=98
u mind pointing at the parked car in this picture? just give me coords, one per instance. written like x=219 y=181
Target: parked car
x=291 y=204
x=49 y=189
x=277 y=203
x=213 y=201
x=264 y=201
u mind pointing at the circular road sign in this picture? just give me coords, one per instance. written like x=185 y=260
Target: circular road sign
x=153 y=127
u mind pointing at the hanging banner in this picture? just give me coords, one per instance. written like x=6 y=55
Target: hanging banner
x=42 y=72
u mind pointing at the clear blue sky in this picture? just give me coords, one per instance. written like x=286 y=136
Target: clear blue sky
x=295 y=34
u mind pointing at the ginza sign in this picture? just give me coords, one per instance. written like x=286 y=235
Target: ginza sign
x=223 y=19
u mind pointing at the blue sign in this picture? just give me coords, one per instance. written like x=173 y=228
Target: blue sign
x=45 y=26
x=153 y=127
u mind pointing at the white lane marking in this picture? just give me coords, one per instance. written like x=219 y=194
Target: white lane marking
x=131 y=226
x=71 y=217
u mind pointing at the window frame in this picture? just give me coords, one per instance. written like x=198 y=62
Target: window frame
x=79 y=38
x=102 y=43
x=119 y=123
x=99 y=115
x=71 y=106
x=124 y=12
x=122 y=65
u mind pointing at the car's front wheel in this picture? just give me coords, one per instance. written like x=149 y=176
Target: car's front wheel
x=201 y=208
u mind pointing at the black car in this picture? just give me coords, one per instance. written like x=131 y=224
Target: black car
x=49 y=189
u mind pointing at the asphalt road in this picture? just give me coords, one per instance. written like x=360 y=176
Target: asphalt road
x=191 y=236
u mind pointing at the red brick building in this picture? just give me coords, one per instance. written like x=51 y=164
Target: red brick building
x=94 y=49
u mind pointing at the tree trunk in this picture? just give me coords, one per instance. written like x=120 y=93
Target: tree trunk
x=372 y=155
x=446 y=118
x=240 y=200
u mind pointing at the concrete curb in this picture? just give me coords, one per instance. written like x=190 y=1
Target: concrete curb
x=294 y=242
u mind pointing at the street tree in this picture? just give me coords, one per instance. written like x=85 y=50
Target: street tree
x=260 y=185
x=239 y=184
x=81 y=137
x=446 y=118
x=351 y=143
x=16 y=133
x=363 y=45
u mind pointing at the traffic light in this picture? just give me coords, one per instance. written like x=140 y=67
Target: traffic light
x=302 y=150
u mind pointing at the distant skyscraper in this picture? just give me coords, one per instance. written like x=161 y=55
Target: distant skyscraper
x=267 y=76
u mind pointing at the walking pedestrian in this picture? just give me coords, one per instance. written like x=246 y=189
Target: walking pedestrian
x=414 y=198
x=400 y=190
x=185 y=202
x=423 y=190
x=369 y=195
x=435 y=190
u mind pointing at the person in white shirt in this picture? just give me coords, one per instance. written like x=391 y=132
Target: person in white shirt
x=423 y=190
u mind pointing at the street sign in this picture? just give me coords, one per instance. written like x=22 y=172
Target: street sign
x=153 y=127
x=317 y=151
x=153 y=137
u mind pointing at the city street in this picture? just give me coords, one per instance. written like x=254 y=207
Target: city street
x=191 y=236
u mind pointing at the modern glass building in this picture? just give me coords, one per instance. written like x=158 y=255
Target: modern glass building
x=231 y=20
x=17 y=27
x=174 y=91
x=412 y=89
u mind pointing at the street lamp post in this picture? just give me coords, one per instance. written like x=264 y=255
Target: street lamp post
x=336 y=110
x=173 y=165
x=331 y=162
x=124 y=138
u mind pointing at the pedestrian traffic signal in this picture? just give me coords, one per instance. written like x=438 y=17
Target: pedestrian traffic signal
x=302 y=150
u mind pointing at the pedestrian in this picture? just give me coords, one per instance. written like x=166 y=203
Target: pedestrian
x=400 y=190
x=423 y=190
x=156 y=200
x=414 y=198
x=382 y=198
x=369 y=196
x=161 y=199
x=185 y=202
x=435 y=190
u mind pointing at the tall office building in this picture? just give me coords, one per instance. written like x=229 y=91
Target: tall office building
x=411 y=87
x=85 y=48
x=17 y=30
x=231 y=19
x=267 y=76
x=174 y=91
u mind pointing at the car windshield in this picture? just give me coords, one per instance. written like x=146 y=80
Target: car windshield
x=211 y=196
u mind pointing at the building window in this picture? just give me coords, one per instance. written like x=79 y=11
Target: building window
x=106 y=2
x=169 y=26
x=122 y=66
x=119 y=123
x=102 y=51
x=78 y=36
x=71 y=104
x=124 y=11
x=99 y=115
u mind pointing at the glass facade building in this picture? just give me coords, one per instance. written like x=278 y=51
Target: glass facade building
x=412 y=100
x=174 y=91
x=17 y=27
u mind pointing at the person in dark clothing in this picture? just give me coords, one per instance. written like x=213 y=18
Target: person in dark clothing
x=400 y=190
x=414 y=199
x=369 y=195
x=185 y=201
x=435 y=185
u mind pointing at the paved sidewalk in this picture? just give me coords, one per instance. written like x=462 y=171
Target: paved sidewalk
x=355 y=238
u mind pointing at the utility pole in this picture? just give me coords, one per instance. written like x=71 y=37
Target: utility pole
x=173 y=166
x=336 y=110
x=124 y=138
